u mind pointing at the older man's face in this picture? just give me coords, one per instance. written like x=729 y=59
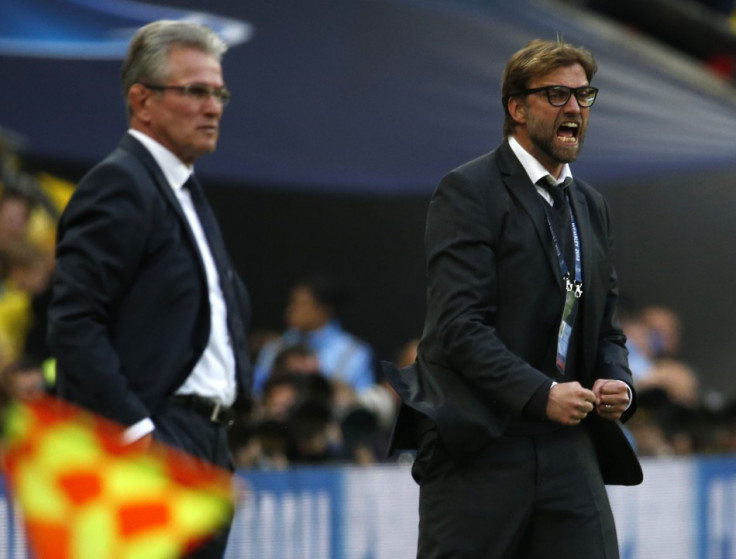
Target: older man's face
x=186 y=125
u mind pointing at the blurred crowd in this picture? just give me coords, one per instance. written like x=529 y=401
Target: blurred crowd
x=704 y=30
x=308 y=412
x=319 y=395
x=30 y=205
x=677 y=414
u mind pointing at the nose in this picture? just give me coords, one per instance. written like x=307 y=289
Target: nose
x=213 y=105
x=572 y=104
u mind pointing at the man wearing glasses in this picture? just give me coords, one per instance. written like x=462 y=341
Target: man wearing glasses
x=148 y=317
x=522 y=372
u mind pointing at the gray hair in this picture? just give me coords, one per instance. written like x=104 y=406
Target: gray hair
x=147 y=58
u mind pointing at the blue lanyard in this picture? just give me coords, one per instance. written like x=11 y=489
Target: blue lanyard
x=577 y=284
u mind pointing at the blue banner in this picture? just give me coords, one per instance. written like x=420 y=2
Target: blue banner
x=358 y=96
x=92 y=29
x=685 y=509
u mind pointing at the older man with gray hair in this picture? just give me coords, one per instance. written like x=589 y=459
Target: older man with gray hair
x=148 y=317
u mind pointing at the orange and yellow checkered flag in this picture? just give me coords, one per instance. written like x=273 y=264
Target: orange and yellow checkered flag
x=85 y=495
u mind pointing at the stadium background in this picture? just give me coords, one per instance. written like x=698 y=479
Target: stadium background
x=345 y=116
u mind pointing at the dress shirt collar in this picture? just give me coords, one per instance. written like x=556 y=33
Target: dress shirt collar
x=534 y=168
x=175 y=171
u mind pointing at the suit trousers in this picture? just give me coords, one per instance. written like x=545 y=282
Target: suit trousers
x=523 y=497
x=195 y=434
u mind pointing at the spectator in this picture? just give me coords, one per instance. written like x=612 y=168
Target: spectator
x=263 y=445
x=28 y=274
x=314 y=435
x=294 y=420
x=675 y=378
x=312 y=319
x=359 y=429
x=22 y=380
x=297 y=359
x=295 y=378
x=637 y=342
x=281 y=394
x=663 y=325
x=15 y=216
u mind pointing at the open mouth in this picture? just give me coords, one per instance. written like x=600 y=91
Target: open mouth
x=567 y=133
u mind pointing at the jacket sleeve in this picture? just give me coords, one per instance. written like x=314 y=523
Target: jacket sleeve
x=101 y=240
x=462 y=295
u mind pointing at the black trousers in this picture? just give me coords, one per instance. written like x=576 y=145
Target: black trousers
x=524 y=497
x=195 y=434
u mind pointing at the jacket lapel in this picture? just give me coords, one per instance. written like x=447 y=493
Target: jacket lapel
x=520 y=187
x=131 y=145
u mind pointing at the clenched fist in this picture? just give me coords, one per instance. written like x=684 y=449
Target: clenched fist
x=569 y=403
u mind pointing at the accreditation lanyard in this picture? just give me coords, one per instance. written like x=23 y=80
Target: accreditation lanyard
x=573 y=288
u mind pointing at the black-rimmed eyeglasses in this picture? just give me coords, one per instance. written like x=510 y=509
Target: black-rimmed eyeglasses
x=196 y=91
x=559 y=95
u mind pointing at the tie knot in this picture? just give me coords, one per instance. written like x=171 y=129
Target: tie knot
x=548 y=181
x=558 y=192
x=194 y=188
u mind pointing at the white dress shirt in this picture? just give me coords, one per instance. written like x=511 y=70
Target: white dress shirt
x=213 y=376
x=535 y=170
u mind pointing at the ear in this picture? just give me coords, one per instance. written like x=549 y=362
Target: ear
x=139 y=100
x=517 y=109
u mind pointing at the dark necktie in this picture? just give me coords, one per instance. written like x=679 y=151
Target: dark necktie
x=558 y=192
x=559 y=215
x=225 y=273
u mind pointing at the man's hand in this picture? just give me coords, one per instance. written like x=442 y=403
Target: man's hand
x=569 y=403
x=612 y=397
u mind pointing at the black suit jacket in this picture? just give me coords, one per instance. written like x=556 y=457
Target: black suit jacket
x=130 y=314
x=494 y=301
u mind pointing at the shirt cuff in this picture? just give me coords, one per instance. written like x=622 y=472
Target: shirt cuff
x=631 y=394
x=138 y=430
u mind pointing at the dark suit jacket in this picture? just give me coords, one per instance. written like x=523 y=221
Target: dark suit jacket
x=130 y=312
x=494 y=303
